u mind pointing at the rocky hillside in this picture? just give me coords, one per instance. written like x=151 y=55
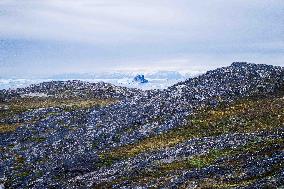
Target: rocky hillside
x=223 y=129
x=70 y=89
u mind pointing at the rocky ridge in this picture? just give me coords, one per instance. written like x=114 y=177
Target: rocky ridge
x=114 y=137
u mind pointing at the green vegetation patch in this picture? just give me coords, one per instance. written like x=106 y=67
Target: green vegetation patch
x=209 y=158
x=20 y=105
x=6 y=128
x=246 y=116
x=229 y=156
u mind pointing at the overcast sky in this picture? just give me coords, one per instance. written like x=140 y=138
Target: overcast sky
x=42 y=37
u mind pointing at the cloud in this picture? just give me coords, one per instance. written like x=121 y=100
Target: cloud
x=74 y=35
x=87 y=20
x=127 y=21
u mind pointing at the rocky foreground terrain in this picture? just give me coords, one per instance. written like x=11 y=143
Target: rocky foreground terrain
x=222 y=129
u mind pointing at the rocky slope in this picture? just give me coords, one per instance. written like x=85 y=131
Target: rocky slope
x=223 y=129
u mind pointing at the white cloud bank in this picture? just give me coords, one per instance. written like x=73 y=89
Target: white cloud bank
x=123 y=21
x=144 y=29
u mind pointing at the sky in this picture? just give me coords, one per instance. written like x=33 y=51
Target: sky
x=40 y=38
